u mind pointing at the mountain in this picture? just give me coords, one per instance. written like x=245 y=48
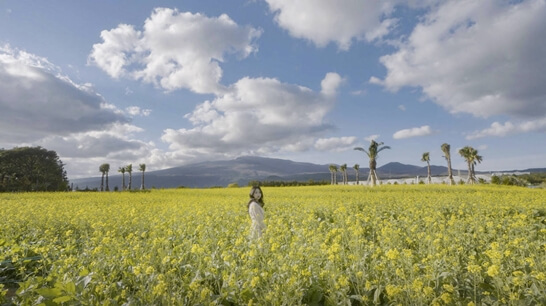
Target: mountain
x=249 y=168
x=398 y=170
x=218 y=173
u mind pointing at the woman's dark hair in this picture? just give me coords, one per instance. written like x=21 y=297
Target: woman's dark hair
x=251 y=194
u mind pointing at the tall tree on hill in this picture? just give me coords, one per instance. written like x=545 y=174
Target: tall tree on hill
x=142 y=168
x=343 y=169
x=129 y=169
x=372 y=152
x=426 y=158
x=333 y=172
x=357 y=168
x=446 y=148
x=122 y=171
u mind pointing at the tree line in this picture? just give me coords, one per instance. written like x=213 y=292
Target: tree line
x=104 y=169
x=25 y=169
x=469 y=154
x=274 y=183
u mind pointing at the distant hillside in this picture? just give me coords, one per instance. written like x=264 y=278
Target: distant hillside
x=219 y=173
x=250 y=168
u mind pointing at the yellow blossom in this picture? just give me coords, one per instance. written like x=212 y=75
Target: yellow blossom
x=493 y=270
x=393 y=254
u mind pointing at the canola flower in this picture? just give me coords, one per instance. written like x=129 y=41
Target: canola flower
x=419 y=245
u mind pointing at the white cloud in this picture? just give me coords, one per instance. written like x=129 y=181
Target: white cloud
x=479 y=57
x=38 y=101
x=175 y=50
x=259 y=115
x=402 y=107
x=330 y=83
x=336 y=144
x=413 y=132
x=358 y=92
x=137 y=111
x=41 y=107
x=508 y=128
x=342 y=21
x=372 y=137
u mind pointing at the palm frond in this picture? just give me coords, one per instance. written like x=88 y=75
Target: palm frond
x=363 y=150
x=383 y=148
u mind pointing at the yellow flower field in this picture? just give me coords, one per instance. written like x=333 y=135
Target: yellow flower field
x=406 y=245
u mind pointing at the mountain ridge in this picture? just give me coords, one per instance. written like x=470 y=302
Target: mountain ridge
x=244 y=169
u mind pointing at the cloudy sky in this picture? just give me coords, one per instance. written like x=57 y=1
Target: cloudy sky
x=167 y=83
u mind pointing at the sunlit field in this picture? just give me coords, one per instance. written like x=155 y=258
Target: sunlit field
x=406 y=245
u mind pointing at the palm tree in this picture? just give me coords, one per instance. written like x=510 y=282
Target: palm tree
x=372 y=153
x=343 y=169
x=142 y=168
x=331 y=168
x=104 y=168
x=476 y=159
x=103 y=172
x=446 y=148
x=129 y=169
x=107 y=169
x=472 y=158
x=333 y=171
x=426 y=158
x=122 y=171
x=356 y=167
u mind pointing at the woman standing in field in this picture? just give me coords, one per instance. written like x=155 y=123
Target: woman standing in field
x=256 y=212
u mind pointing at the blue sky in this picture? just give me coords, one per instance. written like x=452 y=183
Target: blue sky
x=167 y=83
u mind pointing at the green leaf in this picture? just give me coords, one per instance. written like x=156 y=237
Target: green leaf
x=83 y=272
x=377 y=295
x=49 y=292
x=62 y=299
x=70 y=288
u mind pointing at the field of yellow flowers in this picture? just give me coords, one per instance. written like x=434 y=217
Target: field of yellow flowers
x=407 y=245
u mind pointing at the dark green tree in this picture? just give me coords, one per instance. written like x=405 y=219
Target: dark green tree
x=31 y=169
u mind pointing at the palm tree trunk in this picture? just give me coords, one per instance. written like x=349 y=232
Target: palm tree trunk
x=102 y=182
x=142 y=182
x=428 y=170
x=372 y=174
x=473 y=174
x=450 y=172
x=469 y=180
x=107 y=188
x=372 y=170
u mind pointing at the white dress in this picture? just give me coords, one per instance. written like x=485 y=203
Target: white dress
x=257 y=216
